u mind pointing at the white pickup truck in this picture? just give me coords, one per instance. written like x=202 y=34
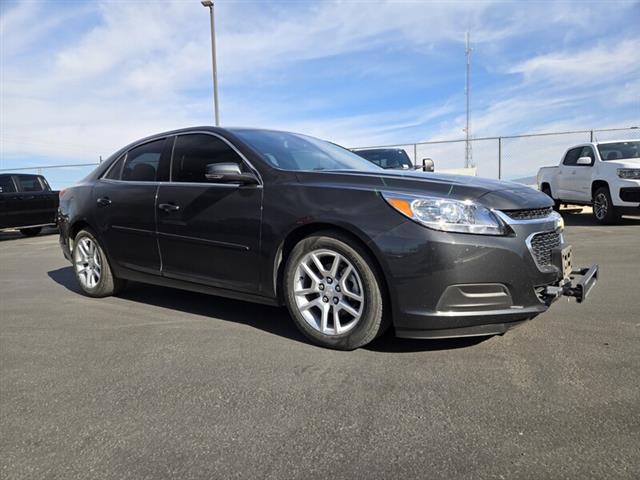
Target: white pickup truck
x=605 y=175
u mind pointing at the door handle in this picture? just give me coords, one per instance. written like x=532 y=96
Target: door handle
x=169 y=207
x=103 y=201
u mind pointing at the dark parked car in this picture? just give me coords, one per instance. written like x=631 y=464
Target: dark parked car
x=387 y=158
x=26 y=203
x=351 y=249
x=393 y=159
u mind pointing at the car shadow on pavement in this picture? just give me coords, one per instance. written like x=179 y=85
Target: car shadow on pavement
x=274 y=320
x=389 y=343
x=16 y=235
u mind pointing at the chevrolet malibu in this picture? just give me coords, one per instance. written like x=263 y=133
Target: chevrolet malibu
x=350 y=249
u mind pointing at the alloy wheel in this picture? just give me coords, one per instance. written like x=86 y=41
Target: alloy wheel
x=328 y=292
x=87 y=262
x=600 y=206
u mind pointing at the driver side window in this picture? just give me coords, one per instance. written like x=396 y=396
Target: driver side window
x=193 y=152
x=571 y=158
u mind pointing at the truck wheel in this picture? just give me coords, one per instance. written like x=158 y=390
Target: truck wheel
x=30 y=232
x=333 y=292
x=92 y=268
x=547 y=191
x=603 y=209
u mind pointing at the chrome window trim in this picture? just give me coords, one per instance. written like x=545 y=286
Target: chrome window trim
x=113 y=164
x=165 y=183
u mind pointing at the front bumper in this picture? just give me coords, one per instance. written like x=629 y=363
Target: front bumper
x=455 y=285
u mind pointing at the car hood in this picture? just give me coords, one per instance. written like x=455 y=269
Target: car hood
x=497 y=194
x=624 y=163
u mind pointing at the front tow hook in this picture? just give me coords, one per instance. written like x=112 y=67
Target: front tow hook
x=579 y=291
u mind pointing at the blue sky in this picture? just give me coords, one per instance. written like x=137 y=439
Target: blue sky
x=80 y=79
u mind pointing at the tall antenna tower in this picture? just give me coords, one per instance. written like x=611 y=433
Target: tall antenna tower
x=468 y=156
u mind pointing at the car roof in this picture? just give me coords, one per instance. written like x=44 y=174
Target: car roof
x=605 y=142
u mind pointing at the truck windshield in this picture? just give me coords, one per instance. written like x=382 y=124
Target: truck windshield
x=291 y=151
x=619 y=150
x=387 y=158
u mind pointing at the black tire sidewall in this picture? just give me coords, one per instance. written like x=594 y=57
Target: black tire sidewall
x=370 y=323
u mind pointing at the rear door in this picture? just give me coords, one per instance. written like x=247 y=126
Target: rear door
x=208 y=232
x=33 y=201
x=125 y=212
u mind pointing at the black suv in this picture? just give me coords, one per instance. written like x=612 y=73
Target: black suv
x=26 y=203
x=350 y=248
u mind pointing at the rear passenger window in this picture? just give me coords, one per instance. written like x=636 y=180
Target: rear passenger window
x=114 y=172
x=29 y=183
x=142 y=162
x=192 y=153
x=6 y=185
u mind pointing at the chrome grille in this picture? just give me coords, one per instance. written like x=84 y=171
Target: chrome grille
x=542 y=246
x=529 y=214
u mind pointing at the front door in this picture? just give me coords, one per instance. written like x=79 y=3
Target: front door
x=208 y=232
x=566 y=173
x=581 y=179
x=126 y=214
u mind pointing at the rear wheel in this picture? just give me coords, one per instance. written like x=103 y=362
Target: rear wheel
x=30 y=232
x=547 y=191
x=91 y=267
x=603 y=209
x=333 y=292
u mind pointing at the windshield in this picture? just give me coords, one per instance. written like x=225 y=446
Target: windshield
x=387 y=158
x=292 y=151
x=619 y=150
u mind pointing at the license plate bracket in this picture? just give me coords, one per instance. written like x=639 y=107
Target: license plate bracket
x=565 y=255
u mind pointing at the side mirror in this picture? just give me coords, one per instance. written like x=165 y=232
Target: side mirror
x=228 y=172
x=584 y=161
x=427 y=165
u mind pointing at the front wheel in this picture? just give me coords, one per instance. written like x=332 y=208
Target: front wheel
x=603 y=209
x=91 y=267
x=30 y=232
x=333 y=292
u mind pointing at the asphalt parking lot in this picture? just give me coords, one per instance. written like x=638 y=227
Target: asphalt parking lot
x=161 y=383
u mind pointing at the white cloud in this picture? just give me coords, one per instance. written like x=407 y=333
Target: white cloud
x=74 y=89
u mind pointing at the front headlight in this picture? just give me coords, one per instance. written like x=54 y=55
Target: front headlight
x=446 y=214
x=629 y=173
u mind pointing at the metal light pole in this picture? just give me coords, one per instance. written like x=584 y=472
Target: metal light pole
x=468 y=156
x=209 y=5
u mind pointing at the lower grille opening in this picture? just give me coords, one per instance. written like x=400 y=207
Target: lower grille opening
x=542 y=246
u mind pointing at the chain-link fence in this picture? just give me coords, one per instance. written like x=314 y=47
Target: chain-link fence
x=514 y=157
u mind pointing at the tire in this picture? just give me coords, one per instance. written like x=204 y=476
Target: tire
x=547 y=191
x=335 y=295
x=30 y=232
x=91 y=267
x=604 y=211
